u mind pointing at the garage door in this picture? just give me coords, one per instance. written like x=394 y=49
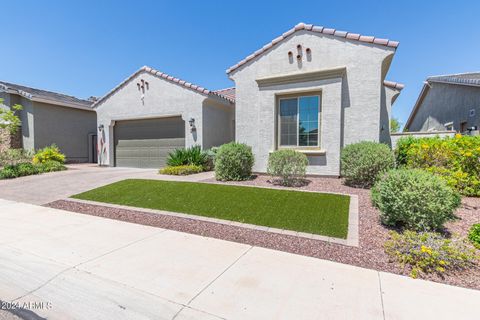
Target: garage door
x=146 y=143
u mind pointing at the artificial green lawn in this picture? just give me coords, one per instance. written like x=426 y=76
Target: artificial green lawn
x=319 y=213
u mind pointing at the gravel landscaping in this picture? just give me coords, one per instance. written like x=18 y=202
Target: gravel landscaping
x=370 y=254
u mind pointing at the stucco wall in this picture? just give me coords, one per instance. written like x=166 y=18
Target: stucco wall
x=162 y=99
x=351 y=104
x=218 y=124
x=445 y=103
x=388 y=97
x=67 y=127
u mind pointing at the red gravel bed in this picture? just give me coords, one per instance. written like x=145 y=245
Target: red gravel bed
x=370 y=253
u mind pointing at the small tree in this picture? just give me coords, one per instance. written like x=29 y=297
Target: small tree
x=395 y=125
x=9 y=121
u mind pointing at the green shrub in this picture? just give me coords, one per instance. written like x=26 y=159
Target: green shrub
x=181 y=170
x=26 y=169
x=401 y=149
x=234 y=161
x=289 y=166
x=14 y=156
x=211 y=154
x=187 y=156
x=429 y=252
x=456 y=160
x=18 y=170
x=8 y=172
x=414 y=199
x=49 y=153
x=50 y=166
x=474 y=235
x=362 y=162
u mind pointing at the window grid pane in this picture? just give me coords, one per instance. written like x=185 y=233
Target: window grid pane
x=308 y=124
x=288 y=122
x=299 y=118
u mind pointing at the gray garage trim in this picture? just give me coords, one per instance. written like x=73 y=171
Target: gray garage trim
x=146 y=143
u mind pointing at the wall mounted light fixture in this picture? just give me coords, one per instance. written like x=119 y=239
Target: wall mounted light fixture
x=192 y=124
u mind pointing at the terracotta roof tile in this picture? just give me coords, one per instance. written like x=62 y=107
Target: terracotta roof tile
x=318 y=29
x=393 y=85
x=227 y=92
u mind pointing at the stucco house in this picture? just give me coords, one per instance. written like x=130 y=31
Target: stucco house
x=316 y=90
x=448 y=102
x=49 y=117
x=152 y=113
x=313 y=89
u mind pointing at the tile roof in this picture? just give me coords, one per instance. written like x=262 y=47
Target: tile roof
x=38 y=94
x=317 y=29
x=393 y=85
x=166 y=77
x=469 y=79
x=227 y=92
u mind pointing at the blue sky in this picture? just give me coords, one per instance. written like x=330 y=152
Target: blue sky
x=86 y=48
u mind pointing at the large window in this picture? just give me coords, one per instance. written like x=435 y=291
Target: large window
x=299 y=121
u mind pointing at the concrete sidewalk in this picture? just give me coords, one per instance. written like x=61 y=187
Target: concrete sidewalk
x=73 y=266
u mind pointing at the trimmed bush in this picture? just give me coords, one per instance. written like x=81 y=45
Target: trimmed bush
x=414 y=199
x=456 y=160
x=49 y=153
x=474 y=235
x=362 y=162
x=288 y=166
x=181 y=170
x=187 y=156
x=429 y=252
x=234 y=161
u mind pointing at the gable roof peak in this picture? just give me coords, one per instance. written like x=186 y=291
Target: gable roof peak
x=317 y=29
x=165 y=77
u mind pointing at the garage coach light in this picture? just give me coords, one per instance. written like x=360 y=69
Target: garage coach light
x=192 y=124
x=100 y=127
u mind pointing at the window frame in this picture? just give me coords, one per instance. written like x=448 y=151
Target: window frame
x=278 y=120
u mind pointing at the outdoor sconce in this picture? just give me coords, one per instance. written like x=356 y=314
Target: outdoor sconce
x=100 y=128
x=192 y=124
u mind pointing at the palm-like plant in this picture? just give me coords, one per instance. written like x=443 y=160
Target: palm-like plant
x=187 y=156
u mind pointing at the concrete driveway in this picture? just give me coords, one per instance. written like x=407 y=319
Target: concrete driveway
x=64 y=265
x=45 y=188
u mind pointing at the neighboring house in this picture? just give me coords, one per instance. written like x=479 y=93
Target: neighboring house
x=316 y=90
x=151 y=113
x=313 y=89
x=448 y=102
x=49 y=117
